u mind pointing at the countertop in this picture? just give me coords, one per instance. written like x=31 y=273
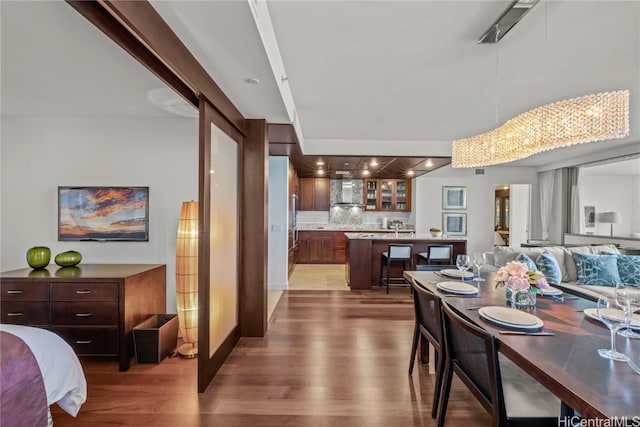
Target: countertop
x=364 y=228
x=404 y=235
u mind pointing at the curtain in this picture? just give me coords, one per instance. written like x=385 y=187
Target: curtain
x=546 y=180
x=576 y=212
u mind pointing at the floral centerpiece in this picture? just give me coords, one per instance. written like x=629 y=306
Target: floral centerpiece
x=521 y=284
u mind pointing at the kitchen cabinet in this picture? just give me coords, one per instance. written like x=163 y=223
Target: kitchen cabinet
x=321 y=247
x=93 y=307
x=387 y=195
x=314 y=194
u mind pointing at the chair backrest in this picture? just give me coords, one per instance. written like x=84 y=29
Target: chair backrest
x=401 y=251
x=440 y=253
x=428 y=310
x=473 y=355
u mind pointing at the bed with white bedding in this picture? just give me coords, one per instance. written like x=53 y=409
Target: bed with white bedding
x=62 y=377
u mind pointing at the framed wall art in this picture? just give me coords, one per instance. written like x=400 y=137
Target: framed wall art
x=589 y=216
x=454 y=198
x=103 y=213
x=454 y=223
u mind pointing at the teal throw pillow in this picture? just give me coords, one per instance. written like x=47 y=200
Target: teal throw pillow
x=597 y=269
x=548 y=266
x=525 y=258
x=629 y=269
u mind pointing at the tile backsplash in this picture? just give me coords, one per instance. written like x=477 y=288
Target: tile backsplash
x=349 y=216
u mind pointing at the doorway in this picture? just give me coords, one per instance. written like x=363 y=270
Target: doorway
x=512 y=204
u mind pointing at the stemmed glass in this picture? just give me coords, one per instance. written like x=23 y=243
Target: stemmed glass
x=615 y=312
x=634 y=302
x=463 y=264
x=479 y=259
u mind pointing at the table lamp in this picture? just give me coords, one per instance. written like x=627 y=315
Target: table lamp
x=610 y=218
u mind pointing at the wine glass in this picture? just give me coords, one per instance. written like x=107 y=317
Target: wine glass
x=479 y=259
x=615 y=312
x=463 y=264
x=633 y=297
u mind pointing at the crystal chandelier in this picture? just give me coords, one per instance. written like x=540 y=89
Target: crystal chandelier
x=561 y=124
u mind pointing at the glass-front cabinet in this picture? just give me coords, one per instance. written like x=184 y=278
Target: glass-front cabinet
x=389 y=195
x=371 y=195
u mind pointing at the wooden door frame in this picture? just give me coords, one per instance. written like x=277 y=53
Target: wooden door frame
x=137 y=27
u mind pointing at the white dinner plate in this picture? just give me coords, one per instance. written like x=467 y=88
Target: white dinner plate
x=456 y=273
x=510 y=317
x=551 y=291
x=593 y=313
x=457 y=288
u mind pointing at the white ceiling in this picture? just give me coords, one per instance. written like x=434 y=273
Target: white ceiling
x=367 y=77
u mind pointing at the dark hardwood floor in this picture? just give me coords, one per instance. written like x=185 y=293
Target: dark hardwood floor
x=330 y=358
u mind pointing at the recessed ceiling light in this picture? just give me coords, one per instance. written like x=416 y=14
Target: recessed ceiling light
x=319 y=163
x=428 y=163
x=320 y=172
x=253 y=81
x=365 y=172
x=410 y=173
x=373 y=162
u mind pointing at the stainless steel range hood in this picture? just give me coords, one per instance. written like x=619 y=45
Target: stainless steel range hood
x=344 y=193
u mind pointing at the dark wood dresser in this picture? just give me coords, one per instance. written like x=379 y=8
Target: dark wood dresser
x=94 y=307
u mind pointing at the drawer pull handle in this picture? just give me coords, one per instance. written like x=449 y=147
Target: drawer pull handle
x=15 y=313
x=83 y=292
x=84 y=341
x=14 y=291
x=84 y=314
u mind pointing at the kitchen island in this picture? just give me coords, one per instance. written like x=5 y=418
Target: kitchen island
x=364 y=250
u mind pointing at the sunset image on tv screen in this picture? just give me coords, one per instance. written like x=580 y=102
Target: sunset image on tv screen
x=103 y=213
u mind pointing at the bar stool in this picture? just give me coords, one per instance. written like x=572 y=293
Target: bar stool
x=398 y=253
x=437 y=254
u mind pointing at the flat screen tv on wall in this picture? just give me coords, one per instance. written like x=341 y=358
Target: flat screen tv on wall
x=103 y=213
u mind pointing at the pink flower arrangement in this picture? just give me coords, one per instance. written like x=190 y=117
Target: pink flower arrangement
x=517 y=276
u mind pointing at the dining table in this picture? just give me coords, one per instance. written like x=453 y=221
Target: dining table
x=565 y=359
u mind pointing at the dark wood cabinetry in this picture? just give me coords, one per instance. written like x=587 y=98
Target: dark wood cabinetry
x=387 y=195
x=94 y=310
x=314 y=194
x=322 y=247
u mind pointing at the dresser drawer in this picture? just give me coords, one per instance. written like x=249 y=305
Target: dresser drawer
x=90 y=341
x=84 y=292
x=84 y=313
x=25 y=312
x=24 y=291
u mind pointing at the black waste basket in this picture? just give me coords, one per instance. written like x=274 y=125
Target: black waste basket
x=155 y=338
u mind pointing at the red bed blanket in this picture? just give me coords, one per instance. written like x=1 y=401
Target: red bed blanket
x=23 y=399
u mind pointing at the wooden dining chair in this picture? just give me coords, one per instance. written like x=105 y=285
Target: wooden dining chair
x=428 y=325
x=507 y=393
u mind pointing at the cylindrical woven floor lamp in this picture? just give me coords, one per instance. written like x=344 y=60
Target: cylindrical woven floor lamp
x=187 y=278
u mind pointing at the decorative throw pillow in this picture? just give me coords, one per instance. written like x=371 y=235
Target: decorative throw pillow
x=525 y=258
x=597 y=269
x=629 y=269
x=548 y=265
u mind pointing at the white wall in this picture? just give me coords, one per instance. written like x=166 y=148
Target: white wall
x=480 y=200
x=40 y=154
x=278 y=222
x=620 y=193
